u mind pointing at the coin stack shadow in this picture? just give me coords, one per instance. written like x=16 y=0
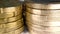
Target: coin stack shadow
x=43 y=18
x=11 y=21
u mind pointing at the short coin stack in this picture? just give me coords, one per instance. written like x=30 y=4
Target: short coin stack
x=43 y=18
x=11 y=21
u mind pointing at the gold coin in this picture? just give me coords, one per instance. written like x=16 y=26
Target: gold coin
x=32 y=31
x=53 y=6
x=11 y=19
x=43 y=28
x=18 y=31
x=43 y=6
x=11 y=26
x=45 y=23
x=43 y=12
x=36 y=5
x=10 y=11
x=43 y=20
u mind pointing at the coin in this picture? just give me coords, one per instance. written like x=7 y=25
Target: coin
x=11 y=19
x=36 y=5
x=43 y=12
x=42 y=32
x=10 y=11
x=43 y=5
x=43 y=20
x=43 y=28
x=11 y=26
x=18 y=31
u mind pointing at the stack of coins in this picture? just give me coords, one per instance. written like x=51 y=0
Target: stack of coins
x=11 y=21
x=43 y=18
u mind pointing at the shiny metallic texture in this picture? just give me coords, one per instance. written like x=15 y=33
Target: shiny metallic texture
x=11 y=19
x=10 y=11
x=43 y=12
x=43 y=18
x=11 y=26
x=33 y=31
x=35 y=5
x=43 y=28
x=17 y=31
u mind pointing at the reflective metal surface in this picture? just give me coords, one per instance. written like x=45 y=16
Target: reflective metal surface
x=43 y=18
x=11 y=19
x=44 y=28
x=33 y=31
x=10 y=11
x=43 y=12
x=11 y=26
x=43 y=6
x=36 y=6
x=17 y=31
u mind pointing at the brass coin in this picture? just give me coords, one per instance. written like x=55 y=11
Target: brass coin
x=10 y=11
x=53 y=6
x=18 y=31
x=11 y=19
x=36 y=5
x=43 y=28
x=11 y=26
x=42 y=32
x=14 y=18
x=45 y=23
x=43 y=12
x=43 y=6
x=43 y=20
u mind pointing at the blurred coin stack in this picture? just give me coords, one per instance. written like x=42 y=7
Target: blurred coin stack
x=11 y=21
x=43 y=18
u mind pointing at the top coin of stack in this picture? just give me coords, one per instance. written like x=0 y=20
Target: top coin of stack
x=10 y=9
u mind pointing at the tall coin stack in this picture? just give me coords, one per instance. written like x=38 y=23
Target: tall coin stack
x=11 y=21
x=43 y=18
